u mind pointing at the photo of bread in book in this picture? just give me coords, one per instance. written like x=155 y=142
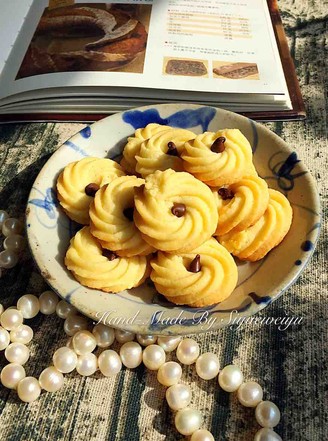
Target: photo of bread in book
x=88 y=37
x=235 y=71
x=185 y=67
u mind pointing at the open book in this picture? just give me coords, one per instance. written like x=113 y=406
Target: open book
x=81 y=60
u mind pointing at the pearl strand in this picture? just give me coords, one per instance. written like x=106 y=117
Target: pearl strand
x=78 y=354
x=13 y=243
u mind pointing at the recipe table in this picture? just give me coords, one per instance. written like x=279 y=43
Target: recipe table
x=290 y=364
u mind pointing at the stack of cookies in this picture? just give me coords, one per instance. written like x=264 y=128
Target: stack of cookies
x=176 y=209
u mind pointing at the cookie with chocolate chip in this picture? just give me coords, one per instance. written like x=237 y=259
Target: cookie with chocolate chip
x=162 y=151
x=241 y=204
x=174 y=211
x=104 y=270
x=132 y=147
x=256 y=241
x=79 y=182
x=111 y=218
x=220 y=158
x=201 y=277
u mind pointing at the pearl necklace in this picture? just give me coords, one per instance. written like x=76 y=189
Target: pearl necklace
x=148 y=349
x=13 y=244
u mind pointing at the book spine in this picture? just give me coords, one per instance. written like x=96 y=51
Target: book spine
x=286 y=59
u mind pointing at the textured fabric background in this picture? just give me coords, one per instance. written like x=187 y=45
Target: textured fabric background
x=291 y=365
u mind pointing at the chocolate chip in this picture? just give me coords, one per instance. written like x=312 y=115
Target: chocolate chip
x=178 y=209
x=91 y=189
x=141 y=187
x=225 y=193
x=109 y=254
x=218 y=145
x=172 y=149
x=128 y=213
x=195 y=267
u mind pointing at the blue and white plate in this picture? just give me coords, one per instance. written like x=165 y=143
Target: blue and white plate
x=142 y=310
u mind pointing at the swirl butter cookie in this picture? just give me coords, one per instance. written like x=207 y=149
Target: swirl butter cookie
x=256 y=241
x=174 y=211
x=133 y=145
x=97 y=268
x=111 y=218
x=201 y=277
x=162 y=151
x=80 y=180
x=220 y=158
x=241 y=204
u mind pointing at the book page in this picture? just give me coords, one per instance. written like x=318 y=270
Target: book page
x=13 y=12
x=215 y=46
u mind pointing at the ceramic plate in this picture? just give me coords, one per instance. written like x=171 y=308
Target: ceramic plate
x=142 y=310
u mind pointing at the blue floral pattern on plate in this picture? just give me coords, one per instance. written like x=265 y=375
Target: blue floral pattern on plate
x=184 y=119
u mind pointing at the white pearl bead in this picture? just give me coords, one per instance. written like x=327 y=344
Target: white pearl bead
x=188 y=351
x=250 y=394
x=64 y=309
x=65 y=360
x=8 y=259
x=51 y=379
x=75 y=323
x=267 y=435
x=22 y=334
x=131 y=354
x=48 y=302
x=187 y=421
x=11 y=319
x=11 y=375
x=169 y=373
x=153 y=357
x=109 y=363
x=12 y=226
x=87 y=364
x=202 y=435
x=267 y=414
x=123 y=336
x=169 y=344
x=28 y=389
x=207 y=366
x=146 y=340
x=16 y=243
x=3 y=216
x=4 y=338
x=84 y=342
x=29 y=306
x=104 y=335
x=230 y=378
x=1 y=308
x=17 y=353
x=178 y=396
